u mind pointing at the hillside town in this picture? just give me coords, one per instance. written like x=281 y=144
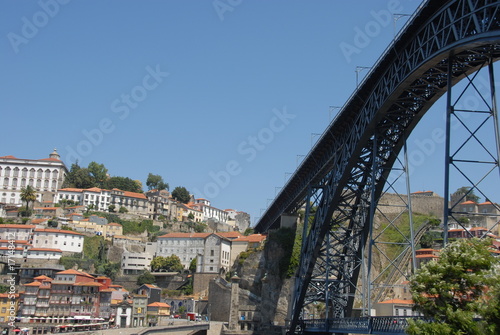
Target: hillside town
x=64 y=219
x=97 y=258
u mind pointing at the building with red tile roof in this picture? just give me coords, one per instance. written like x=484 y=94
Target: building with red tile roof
x=44 y=253
x=212 y=251
x=66 y=240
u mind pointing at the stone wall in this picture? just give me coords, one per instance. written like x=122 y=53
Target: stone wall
x=201 y=282
x=391 y=203
x=219 y=301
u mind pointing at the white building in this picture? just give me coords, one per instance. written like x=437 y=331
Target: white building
x=96 y=197
x=16 y=232
x=66 y=240
x=137 y=262
x=45 y=175
x=212 y=251
x=210 y=212
x=395 y=307
x=44 y=253
x=216 y=256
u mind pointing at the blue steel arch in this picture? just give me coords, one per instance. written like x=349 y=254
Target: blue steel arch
x=442 y=43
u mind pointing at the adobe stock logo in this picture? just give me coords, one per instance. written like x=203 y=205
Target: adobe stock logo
x=363 y=36
x=249 y=150
x=31 y=27
x=223 y=6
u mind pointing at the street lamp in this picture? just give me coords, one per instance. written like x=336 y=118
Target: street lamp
x=358 y=70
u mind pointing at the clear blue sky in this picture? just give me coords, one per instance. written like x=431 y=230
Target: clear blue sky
x=183 y=88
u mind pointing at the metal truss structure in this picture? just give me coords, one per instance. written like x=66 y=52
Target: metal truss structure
x=345 y=174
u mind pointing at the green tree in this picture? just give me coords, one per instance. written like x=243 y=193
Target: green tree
x=123 y=210
x=109 y=269
x=99 y=173
x=158 y=263
x=155 y=182
x=170 y=263
x=427 y=240
x=181 y=194
x=145 y=278
x=453 y=291
x=78 y=177
x=123 y=183
x=192 y=265
x=173 y=264
x=28 y=195
x=111 y=208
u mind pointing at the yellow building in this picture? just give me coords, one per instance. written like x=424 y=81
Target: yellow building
x=107 y=230
x=158 y=313
x=113 y=229
x=9 y=304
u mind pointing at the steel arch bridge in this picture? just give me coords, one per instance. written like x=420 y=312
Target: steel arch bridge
x=343 y=176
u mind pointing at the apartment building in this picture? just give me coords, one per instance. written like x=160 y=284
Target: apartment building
x=211 y=250
x=209 y=212
x=100 y=199
x=65 y=240
x=137 y=262
x=69 y=297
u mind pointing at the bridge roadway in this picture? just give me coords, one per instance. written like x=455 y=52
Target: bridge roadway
x=345 y=173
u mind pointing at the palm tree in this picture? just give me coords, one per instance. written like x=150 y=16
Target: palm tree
x=28 y=195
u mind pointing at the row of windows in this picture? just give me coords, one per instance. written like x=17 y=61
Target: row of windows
x=15 y=182
x=32 y=171
x=182 y=242
x=181 y=251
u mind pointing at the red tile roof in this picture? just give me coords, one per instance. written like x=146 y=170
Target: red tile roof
x=35 y=283
x=45 y=249
x=15 y=241
x=185 y=235
x=134 y=195
x=74 y=272
x=231 y=234
x=8 y=295
x=254 y=238
x=397 y=301
x=18 y=226
x=70 y=189
x=95 y=189
x=58 y=231
x=159 y=304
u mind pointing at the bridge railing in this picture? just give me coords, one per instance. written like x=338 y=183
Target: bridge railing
x=361 y=325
